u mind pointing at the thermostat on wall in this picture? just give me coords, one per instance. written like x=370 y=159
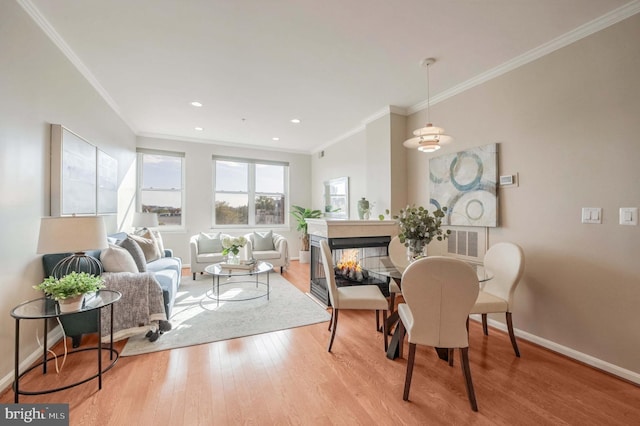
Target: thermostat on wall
x=508 y=180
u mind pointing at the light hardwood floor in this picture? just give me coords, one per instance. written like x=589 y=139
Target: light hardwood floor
x=287 y=377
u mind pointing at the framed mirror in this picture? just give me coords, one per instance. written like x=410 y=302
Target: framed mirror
x=336 y=198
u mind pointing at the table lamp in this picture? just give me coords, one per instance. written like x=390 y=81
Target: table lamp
x=75 y=234
x=144 y=220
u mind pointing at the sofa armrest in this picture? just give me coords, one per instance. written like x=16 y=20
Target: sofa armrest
x=282 y=246
x=168 y=252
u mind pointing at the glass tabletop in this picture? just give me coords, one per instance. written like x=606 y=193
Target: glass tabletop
x=238 y=270
x=48 y=308
x=382 y=265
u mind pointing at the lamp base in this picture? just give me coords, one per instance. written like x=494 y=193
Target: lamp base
x=77 y=262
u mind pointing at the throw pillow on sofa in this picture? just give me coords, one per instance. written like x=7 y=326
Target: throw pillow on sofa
x=117 y=259
x=159 y=242
x=209 y=243
x=149 y=247
x=263 y=241
x=135 y=251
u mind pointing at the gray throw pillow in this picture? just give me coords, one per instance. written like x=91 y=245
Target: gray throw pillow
x=209 y=243
x=136 y=252
x=263 y=241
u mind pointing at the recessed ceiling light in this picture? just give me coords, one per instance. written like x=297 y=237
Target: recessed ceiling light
x=196 y=104
x=295 y=121
x=275 y=138
x=199 y=129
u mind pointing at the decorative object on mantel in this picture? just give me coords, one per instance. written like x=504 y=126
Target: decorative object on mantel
x=69 y=290
x=75 y=234
x=428 y=138
x=418 y=228
x=301 y=214
x=231 y=248
x=364 y=208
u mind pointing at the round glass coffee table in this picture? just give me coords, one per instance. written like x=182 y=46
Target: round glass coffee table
x=236 y=281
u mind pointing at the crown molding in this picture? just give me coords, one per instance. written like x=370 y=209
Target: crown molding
x=566 y=39
x=46 y=27
x=220 y=143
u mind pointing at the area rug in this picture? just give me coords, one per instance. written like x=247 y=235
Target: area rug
x=198 y=318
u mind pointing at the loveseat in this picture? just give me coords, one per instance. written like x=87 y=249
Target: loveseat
x=206 y=249
x=166 y=270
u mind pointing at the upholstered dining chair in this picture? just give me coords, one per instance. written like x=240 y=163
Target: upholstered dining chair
x=399 y=258
x=439 y=293
x=351 y=297
x=505 y=261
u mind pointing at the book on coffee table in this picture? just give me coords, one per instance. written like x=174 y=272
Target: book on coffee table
x=244 y=264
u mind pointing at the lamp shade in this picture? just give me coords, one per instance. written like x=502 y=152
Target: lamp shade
x=145 y=220
x=72 y=234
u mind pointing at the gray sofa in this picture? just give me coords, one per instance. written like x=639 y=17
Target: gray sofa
x=167 y=271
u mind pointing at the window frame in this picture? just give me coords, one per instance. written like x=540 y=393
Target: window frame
x=140 y=153
x=251 y=193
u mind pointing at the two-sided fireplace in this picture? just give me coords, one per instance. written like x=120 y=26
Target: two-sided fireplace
x=352 y=249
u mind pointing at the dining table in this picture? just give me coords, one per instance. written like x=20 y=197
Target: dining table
x=384 y=267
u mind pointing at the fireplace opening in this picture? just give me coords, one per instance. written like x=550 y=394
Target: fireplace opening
x=350 y=257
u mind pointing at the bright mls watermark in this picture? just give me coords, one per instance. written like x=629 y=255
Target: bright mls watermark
x=34 y=414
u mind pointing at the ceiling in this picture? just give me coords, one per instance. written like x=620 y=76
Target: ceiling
x=333 y=64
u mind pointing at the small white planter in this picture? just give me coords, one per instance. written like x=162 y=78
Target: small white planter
x=71 y=304
x=304 y=256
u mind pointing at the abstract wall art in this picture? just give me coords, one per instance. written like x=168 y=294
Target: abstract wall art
x=465 y=183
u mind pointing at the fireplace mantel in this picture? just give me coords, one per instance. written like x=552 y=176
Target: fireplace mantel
x=351 y=228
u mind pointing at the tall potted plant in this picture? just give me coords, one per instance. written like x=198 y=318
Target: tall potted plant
x=300 y=214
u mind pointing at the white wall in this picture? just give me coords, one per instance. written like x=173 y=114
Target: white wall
x=199 y=188
x=38 y=86
x=568 y=124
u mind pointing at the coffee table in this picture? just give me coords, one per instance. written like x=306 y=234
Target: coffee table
x=235 y=277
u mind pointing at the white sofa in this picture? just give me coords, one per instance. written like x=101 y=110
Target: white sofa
x=202 y=254
x=277 y=253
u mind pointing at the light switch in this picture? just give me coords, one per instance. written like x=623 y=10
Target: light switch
x=591 y=215
x=628 y=216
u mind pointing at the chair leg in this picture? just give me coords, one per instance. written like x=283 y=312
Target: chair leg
x=466 y=371
x=194 y=276
x=392 y=302
x=407 y=379
x=402 y=332
x=512 y=335
x=333 y=331
x=331 y=320
x=377 y=320
x=385 y=332
x=485 y=329
x=281 y=269
x=450 y=356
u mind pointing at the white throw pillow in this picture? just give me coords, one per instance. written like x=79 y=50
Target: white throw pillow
x=263 y=241
x=159 y=241
x=209 y=243
x=117 y=259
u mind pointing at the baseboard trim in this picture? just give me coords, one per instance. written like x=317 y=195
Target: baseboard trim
x=615 y=370
x=52 y=338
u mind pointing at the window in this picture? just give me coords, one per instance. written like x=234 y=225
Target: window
x=249 y=192
x=160 y=185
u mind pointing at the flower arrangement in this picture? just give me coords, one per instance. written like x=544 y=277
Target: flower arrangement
x=233 y=245
x=71 y=285
x=417 y=224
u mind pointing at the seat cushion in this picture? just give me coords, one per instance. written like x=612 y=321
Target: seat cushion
x=266 y=255
x=488 y=303
x=361 y=297
x=210 y=258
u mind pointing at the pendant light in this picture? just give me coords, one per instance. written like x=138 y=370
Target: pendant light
x=430 y=137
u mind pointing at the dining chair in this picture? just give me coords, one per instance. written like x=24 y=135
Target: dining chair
x=399 y=259
x=505 y=261
x=439 y=293
x=351 y=297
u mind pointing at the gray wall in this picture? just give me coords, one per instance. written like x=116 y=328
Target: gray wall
x=568 y=124
x=39 y=86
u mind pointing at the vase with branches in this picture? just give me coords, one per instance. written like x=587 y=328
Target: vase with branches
x=418 y=227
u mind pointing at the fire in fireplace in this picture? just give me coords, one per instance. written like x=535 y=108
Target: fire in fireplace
x=349 y=256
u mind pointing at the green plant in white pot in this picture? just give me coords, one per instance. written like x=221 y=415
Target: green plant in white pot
x=69 y=290
x=300 y=214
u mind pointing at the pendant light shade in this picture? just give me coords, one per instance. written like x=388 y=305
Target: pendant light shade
x=430 y=137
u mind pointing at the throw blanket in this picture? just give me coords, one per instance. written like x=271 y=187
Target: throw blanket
x=139 y=309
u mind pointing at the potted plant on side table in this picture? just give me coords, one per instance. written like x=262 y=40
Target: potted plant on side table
x=69 y=290
x=301 y=213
